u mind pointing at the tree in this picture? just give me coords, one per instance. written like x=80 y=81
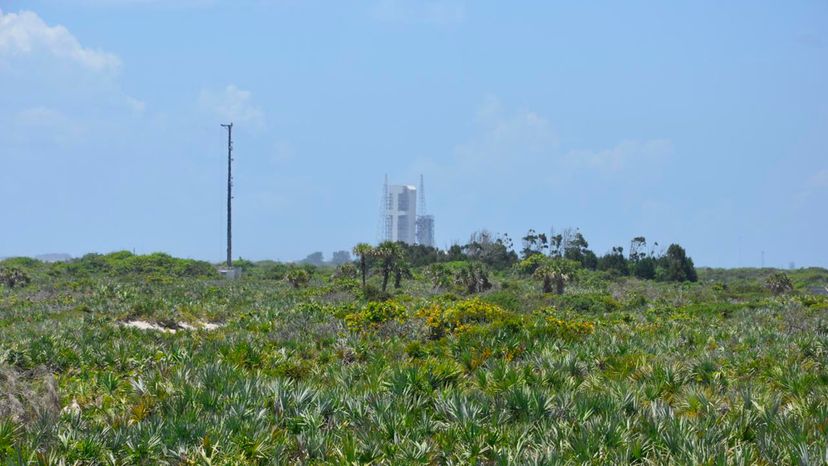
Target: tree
x=297 y=277
x=419 y=255
x=556 y=245
x=494 y=251
x=566 y=238
x=637 y=248
x=614 y=262
x=402 y=269
x=439 y=276
x=390 y=255
x=576 y=248
x=641 y=264
x=528 y=265
x=675 y=266
x=590 y=260
x=340 y=257
x=555 y=273
x=473 y=277
x=455 y=253
x=14 y=277
x=363 y=251
x=314 y=258
x=779 y=283
x=534 y=243
x=345 y=271
x=644 y=268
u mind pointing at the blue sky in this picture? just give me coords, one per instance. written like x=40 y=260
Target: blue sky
x=702 y=123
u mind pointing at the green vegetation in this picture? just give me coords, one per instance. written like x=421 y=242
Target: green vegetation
x=474 y=356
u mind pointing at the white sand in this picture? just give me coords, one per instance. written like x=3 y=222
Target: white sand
x=144 y=325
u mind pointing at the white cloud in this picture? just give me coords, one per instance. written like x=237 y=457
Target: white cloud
x=38 y=115
x=626 y=154
x=506 y=138
x=56 y=89
x=25 y=33
x=136 y=105
x=514 y=155
x=419 y=11
x=527 y=142
x=167 y=4
x=232 y=104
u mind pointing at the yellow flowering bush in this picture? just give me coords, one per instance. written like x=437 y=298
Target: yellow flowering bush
x=461 y=316
x=373 y=314
x=569 y=328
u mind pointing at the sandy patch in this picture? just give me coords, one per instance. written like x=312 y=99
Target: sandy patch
x=144 y=325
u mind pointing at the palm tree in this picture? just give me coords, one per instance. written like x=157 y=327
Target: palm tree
x=473 y=277
x=402 y=269
x=297 y=277
x=439 y=276
x=13 y=277
x=390 y=255
x=779 y=283
x=556 y=272
x=363 y=251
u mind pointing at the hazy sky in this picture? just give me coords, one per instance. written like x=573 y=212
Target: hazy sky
x=702 y=123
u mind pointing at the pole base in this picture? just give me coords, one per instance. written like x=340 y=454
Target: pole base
x=230 y=273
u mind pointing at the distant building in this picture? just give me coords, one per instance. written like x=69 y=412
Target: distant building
x=401 y=213
x=425 y=230
x=54 y=257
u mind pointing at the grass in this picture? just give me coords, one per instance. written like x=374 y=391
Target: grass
x=613 y=372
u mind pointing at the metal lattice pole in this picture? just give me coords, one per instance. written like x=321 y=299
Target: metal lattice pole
x=229 y=194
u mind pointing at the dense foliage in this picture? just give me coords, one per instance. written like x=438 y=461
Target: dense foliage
x=614 y=369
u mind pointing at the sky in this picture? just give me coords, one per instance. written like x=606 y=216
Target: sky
x=701 y=123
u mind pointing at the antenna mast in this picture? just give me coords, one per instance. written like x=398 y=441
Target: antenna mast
x=386 y=226
x=229 y=193
x=422 y=209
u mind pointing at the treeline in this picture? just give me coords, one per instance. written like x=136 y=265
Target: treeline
x=498 y=252
x=158 y=266
x=552 y=259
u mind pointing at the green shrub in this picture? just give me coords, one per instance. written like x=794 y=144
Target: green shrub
x=721 y=309
x=473 y=278
x=14 y=277
x=634 y=301
x=779 y=283
x=346 y=271
x=374 y=293
x=568 y=329
x=530 y=264
x=675 y=266
x=595 y=303
x=124 y=263
x=814 y=302
x=373 y=314
x=414 y=349
x=297 y=278
x=506 y=299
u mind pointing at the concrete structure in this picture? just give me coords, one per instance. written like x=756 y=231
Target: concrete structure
x=401 y=213
x=425 y=222
x=425 y=230
x=230 y=273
